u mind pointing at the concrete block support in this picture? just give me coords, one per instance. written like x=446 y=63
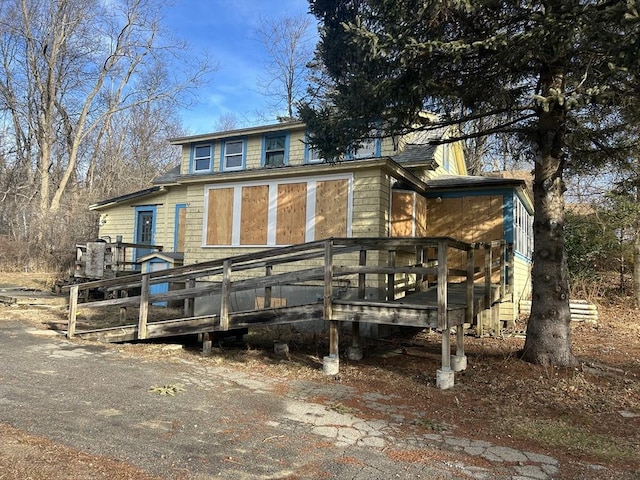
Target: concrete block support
x=330 y=365
x=354 y=353
x=444 y=378
x=458 y=363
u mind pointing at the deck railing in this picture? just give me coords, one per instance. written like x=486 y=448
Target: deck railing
x=392 y=267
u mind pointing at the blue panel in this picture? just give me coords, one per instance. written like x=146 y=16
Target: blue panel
x=154 y=266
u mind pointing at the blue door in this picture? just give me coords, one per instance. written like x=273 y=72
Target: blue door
x=144 y=229
x=155 y=266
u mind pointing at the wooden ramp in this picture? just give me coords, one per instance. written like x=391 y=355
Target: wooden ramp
x=412 y=278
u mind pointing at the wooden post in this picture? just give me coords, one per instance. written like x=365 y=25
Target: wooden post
x=355 y=353
x=443 y=318
x=391 y=278
x=144 y=307
x=225 y=299
x=328 y=299
x=267 y=289
x=190 y=303
x=123 y=310
x=503 y=268
x=73 y=311
x=471 y=265
x=511 y=276
x=206 y=343
x=419 y=264
x=487 y=275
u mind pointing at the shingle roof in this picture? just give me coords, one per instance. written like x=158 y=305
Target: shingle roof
x=415 y=154
x=127 y=197
x=170 y=176
x=461 y=181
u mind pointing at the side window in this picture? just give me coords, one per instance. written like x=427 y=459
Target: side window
x=202 y=155
x=275 y=150
x=233 y=156
x=311 y=155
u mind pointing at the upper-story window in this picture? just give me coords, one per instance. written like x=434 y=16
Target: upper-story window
x=233 y=155
x=275 y=150
x=202 y=155
x=367 y=149
x=311 y=154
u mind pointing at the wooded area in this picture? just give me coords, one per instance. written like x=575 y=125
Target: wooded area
x=86 y=106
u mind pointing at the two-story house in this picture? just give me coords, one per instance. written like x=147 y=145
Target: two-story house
x=243 y=190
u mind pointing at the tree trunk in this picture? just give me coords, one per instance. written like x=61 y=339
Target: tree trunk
x=636 y=249
x=548 y=339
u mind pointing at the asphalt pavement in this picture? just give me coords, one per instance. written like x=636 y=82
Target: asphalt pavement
x=224 y=423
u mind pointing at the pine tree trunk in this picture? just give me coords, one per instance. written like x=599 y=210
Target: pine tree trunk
x=636 y=250
x=548 y=339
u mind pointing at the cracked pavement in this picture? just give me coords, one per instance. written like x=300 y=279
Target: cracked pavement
x=226 y=423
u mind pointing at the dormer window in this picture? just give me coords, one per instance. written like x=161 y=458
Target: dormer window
x=233 y=155
x=202 y=155
x=275 y=150
x=368 y=148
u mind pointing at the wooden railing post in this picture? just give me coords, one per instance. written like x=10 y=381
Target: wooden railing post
x=123 y=310
x=391 y=278
x=443 y=318
x=471 y=266
x=487 y=275
x=267 y=289
x=190 y=303
x=328 y=299
x=144 y=307
x=73 y=311
x=503 y=268
x=419 y=264
x=225 y=299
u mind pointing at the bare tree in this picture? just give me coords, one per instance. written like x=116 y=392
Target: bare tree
x=288 y=41
x=67 y=69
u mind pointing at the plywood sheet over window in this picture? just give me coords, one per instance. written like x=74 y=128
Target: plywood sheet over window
x=254 y=216
x=402 y=214
x=220 y=216
x=291 y=213
x=421 y=216
x=181 y=227
x=331 y=208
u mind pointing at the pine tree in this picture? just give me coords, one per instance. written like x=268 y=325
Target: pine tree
x=537 y=66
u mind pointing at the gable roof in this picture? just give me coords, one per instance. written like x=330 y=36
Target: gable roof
x=417 y=155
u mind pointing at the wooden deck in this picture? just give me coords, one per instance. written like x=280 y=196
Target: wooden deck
x=412 y=277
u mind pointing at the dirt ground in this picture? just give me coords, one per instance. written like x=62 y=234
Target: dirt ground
x=581 y=415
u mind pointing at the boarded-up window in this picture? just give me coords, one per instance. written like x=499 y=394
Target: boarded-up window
x=254 y=216
x=180 y=227
x=220 y=216
x=402 y=214
x=421 y=216
x=291 y=213
x=331 y=209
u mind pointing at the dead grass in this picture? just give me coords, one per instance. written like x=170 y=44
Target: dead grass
x=586 y=414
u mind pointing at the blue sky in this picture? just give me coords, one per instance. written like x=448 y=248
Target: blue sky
x=225 y=29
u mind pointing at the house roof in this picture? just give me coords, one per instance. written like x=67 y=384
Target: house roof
x=237 y=133
x=446 y=182
x=417 y=154
x=170 y=176
x=129 y=196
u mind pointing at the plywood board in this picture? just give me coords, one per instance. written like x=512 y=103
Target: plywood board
x=220 y=216
x=291 y=213
x=181 y=227
x=331 y=209
x=402 y=213
x=421 y=216
x=254 y=215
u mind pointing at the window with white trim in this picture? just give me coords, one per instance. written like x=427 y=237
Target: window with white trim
x=367 y=148
x=523 y=229
x=202 y=155
x=233 y=155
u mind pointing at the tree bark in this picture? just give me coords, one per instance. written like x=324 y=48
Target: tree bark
x=548 y=340
x=636 y=245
